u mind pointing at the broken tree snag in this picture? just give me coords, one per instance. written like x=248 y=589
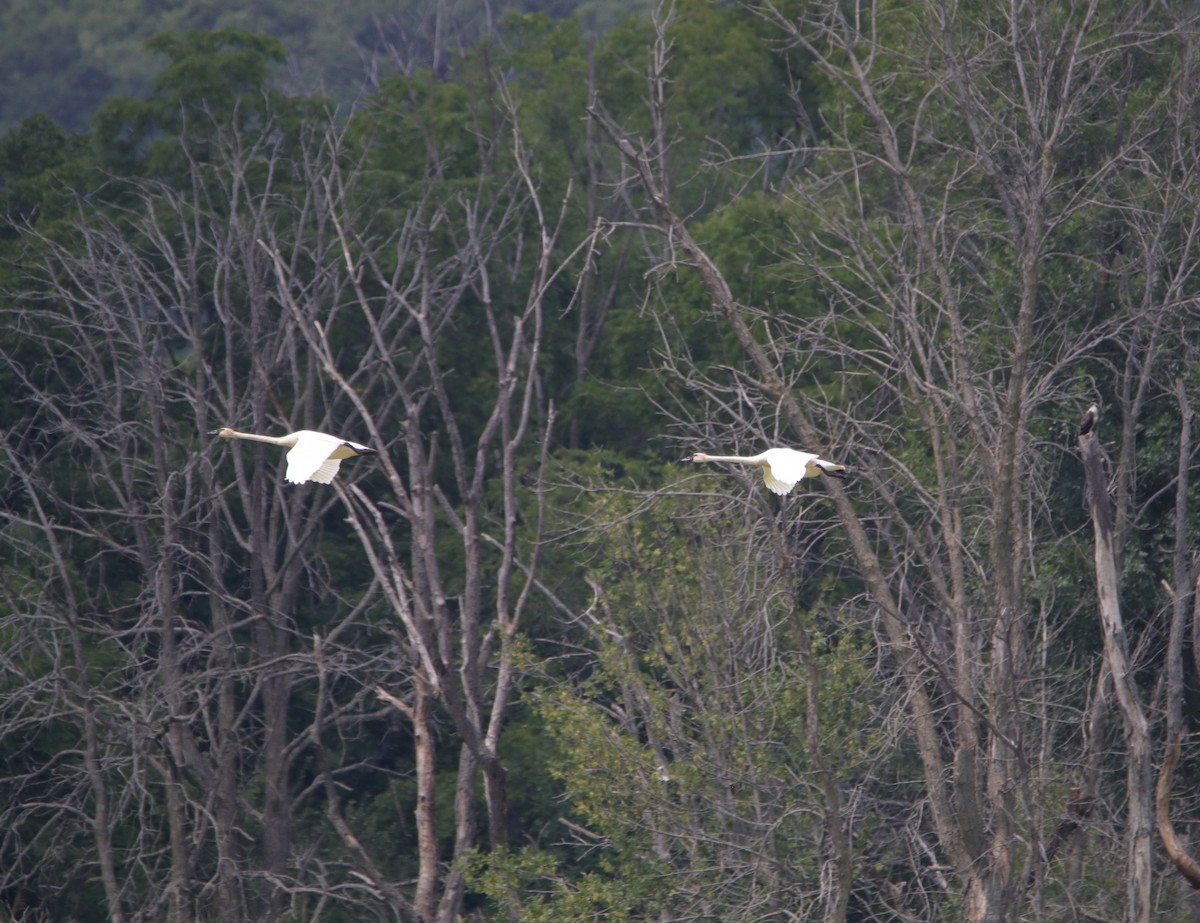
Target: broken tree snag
x=1100 y=506
x=1179 y=856
x=1139 y=772
x=1182 y=590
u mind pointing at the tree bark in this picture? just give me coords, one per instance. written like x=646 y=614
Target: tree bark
x=1184 y=589
x=1139 y=768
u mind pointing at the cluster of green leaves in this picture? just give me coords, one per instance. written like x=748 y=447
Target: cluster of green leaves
x=681 y=739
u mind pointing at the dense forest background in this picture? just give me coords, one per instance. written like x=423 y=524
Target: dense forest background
x=525 y=664
x=64 y=59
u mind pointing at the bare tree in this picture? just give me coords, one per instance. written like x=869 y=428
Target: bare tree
x=938 y=227
x=180 y=618
x=1183 y=590
x=463 y=471
x=199 y=579
x=1120 y=666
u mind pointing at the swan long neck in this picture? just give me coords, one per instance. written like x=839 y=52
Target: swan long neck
x=285 y=441
x=739 y=459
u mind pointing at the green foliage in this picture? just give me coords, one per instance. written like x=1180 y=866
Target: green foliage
x=35 y=160
x=689 y=718
x=527 y=884
x=550 y=63
x=212 y=80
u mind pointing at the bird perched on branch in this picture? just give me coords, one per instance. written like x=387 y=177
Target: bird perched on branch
x=1090 y=416
x=313 y=457
x=781 y=468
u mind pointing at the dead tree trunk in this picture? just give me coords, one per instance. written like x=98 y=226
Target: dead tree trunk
x=1139 y=775
x=1182 y=590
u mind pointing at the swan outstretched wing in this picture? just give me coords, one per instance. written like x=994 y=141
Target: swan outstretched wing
x=784 y=467
x=310 y=458
x=776 y=485
x=324 y=474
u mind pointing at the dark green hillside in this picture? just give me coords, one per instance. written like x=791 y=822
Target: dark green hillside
x=65 y=57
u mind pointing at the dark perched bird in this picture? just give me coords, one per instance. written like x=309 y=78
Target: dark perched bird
x=1090 y=416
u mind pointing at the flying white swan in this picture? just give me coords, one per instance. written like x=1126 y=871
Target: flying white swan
x=782 y=468
x=313 y=457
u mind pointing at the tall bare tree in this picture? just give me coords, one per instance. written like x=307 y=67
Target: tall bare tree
x=465 y=471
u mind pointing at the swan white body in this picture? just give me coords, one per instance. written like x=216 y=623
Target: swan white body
x=781 y=468
x=313 y=456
